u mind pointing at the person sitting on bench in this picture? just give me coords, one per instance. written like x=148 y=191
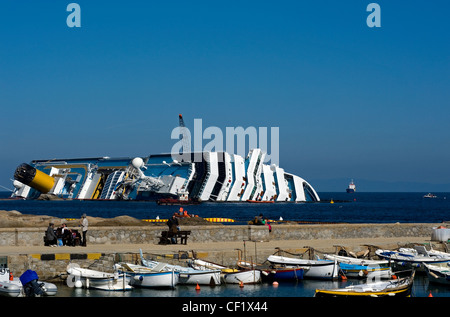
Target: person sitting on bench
x=173 y=225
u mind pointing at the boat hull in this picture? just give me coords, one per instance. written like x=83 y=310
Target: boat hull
x=326 y=270
x=200 y=277
x=283 y=275
x=393 y=288
x=98 y=280
x=438 y=274
x=154 y=280
x=244 y=277
x=410 y=261
x=369 y=272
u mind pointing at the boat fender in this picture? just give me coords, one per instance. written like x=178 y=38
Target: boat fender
x=138 y=278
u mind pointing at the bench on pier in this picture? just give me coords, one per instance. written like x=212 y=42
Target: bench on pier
x=170 y=237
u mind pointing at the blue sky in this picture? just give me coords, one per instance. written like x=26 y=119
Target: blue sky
x=350 y=101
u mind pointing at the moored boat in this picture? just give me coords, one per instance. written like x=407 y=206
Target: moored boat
x=362 y=268
x=400 y=287
x=438 y=273
x=315 y=269
x=410 y=258
x=243 y=276
x=188 y=275
x=142 y=276
x=14 y=287
x=283 y=274
x=87 y=278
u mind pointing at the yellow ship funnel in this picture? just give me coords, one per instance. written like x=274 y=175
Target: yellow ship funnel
x=34 y=178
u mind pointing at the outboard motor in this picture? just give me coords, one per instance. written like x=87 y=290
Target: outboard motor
x=29 y=280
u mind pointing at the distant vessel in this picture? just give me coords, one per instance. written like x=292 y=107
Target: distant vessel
x=429 y=195
x=351 y=187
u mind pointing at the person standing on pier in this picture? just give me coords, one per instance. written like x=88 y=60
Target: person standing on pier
x=84 y=228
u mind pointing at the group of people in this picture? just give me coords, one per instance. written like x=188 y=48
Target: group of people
x=184 y=213
x=260 y=220
x=67 y=236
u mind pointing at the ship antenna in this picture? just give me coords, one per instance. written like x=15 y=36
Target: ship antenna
x=185 y=136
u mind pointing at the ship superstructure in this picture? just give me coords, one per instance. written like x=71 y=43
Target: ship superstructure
x=217 y=176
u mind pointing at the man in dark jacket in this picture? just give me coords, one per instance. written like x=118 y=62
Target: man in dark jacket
x=173 y=224
x=50 y=236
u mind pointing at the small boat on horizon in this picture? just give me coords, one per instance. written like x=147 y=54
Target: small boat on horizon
x=351 y=187
x=429 y=195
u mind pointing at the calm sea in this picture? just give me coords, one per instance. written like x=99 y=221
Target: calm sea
x=350 y=208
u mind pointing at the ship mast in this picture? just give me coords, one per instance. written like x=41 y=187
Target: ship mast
x=185 y=136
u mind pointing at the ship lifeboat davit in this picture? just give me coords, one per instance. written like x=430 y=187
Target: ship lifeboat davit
x=34 y=178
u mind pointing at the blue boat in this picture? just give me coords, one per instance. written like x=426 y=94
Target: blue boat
x=365 y=271
x=283 y=274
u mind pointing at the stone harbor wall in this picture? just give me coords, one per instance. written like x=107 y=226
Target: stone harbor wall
x=223 y=233
x=52 y=265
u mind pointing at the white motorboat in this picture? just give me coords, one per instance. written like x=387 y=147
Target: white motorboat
x=87 y=278
x=188 y=275
x=13 y=287
x=142 y=276
x=313 y=269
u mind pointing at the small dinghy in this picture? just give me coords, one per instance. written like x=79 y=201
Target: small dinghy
x=283 y=274
x=243 y=277
x=314 y=269
x=400 y=287
x=98 y=280
x=142 y=276
x=188 y=275
x=361 y=268
x=438 y=273
x=27 y=285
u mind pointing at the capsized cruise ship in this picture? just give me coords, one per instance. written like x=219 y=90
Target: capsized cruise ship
x=218 y=176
